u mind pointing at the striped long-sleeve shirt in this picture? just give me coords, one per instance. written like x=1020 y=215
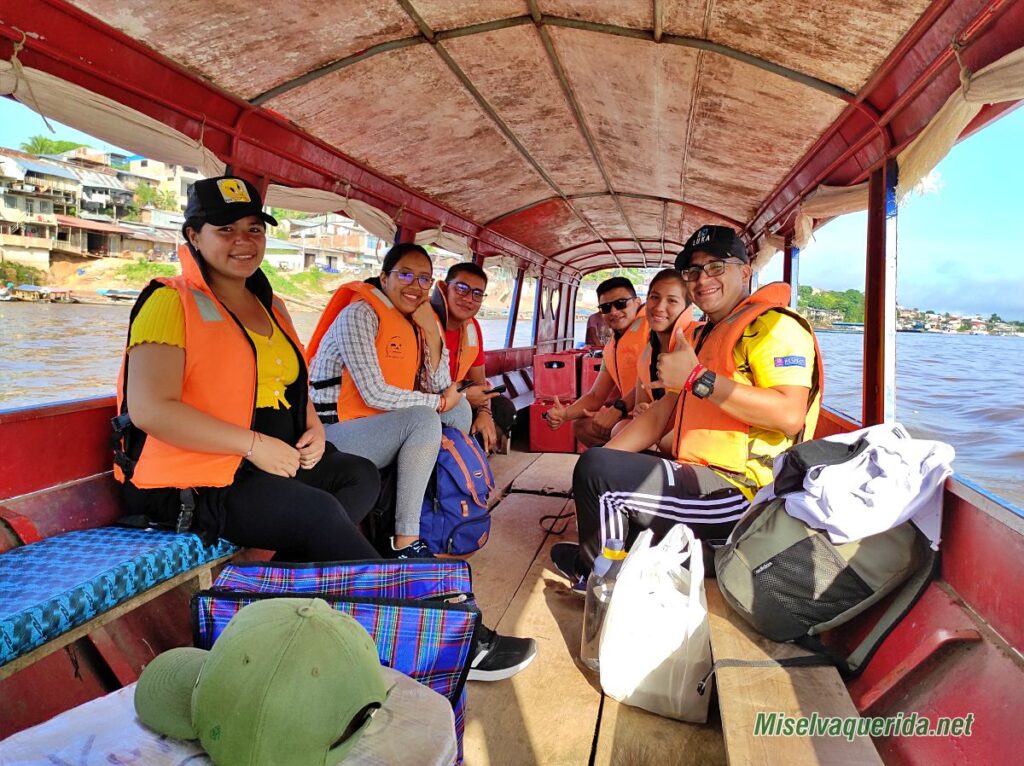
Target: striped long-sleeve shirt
x=349 y=348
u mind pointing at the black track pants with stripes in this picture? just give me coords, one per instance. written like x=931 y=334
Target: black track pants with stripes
x=618 y=494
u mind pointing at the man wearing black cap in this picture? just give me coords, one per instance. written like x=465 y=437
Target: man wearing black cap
x=742 y=386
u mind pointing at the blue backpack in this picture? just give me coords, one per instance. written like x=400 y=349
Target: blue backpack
x=455 y=519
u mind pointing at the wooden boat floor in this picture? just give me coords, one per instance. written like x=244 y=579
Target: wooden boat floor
x=553 y=712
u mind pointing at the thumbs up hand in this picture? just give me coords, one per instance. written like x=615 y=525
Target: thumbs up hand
x=674 y=367
x=556 y=415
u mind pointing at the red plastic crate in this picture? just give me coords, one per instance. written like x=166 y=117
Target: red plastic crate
x=589 y=371
x=542 y=438
x=556 y=375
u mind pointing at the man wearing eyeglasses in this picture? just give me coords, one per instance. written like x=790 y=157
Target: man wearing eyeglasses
x=457 y=301
x=742 y=387
x=593 y=421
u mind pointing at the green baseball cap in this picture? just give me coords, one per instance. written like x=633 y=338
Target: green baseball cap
x=288 y=681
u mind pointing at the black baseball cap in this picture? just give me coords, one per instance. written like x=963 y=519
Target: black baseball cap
x=223 y=200
x=720 y=241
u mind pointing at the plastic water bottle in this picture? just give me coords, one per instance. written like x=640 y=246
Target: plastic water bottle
x=600 y=584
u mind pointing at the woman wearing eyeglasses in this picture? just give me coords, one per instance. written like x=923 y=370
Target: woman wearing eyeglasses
x=381 y=384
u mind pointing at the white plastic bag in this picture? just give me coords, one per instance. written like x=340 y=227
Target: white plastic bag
x=656 y=641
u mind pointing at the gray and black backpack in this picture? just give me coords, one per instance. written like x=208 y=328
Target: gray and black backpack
x=791 y=583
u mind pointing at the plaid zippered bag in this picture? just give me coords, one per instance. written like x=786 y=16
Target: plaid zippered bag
x=447 y=580
x=430 y=641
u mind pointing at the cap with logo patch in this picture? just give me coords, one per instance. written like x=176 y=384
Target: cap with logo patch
x=719 y=241
x=289 y=681
x=224 y=200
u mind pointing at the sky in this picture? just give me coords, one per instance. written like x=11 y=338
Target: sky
x=959 y=245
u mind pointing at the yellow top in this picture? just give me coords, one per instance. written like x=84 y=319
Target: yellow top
x=162 y=320
x=775 y=350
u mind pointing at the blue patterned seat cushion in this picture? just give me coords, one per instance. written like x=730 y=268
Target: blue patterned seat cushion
x=55 y=585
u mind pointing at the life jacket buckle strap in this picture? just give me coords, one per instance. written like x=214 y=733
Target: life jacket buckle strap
x=188 y=507
x=121 y=426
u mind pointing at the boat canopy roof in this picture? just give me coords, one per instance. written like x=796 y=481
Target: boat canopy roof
x=572 y=134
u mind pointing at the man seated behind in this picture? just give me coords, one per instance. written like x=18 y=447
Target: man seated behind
x=616 y=298
x=457 y=301
x=742 y=386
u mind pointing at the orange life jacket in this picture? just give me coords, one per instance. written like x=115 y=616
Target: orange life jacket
x=621 y=354
x=643 y=364
x=704 y=433
x=469 y=338
x=397 y=343
x=219 y=379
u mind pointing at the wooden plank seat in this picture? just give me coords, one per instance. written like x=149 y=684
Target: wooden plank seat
x=520 y=388
x=57 y=590
x=553 y=712
x=745 y=692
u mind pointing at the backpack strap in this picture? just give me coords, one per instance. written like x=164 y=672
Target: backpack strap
x=898 y=608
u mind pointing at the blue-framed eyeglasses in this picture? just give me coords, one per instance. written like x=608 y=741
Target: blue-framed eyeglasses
x=462 y=289
x=407 y=278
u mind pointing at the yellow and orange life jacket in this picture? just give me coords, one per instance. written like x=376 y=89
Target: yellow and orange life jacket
x=219 y=379
x=704 y=433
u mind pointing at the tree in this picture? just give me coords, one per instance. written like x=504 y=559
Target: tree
x=994 y=318
x=44 y=145
x=146 y=195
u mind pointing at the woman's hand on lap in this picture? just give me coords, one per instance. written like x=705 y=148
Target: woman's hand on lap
x=311 y=445
x=275 y=456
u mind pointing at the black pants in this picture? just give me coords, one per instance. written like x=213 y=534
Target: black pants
x=620 y=493
x=312 y=517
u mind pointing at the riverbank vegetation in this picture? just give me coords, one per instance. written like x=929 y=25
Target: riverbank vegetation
x=143 y=271
x=849 y=302
x=18 y=274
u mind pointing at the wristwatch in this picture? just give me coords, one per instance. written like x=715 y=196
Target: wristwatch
x=621 y=407
x=704 y=386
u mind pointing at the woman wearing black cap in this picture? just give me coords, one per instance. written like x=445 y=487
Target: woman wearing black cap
x=216 y=431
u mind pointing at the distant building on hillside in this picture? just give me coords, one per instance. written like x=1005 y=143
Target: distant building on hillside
x=173 y=178
x=822 y=316
x=339 y=241
x=32 y=193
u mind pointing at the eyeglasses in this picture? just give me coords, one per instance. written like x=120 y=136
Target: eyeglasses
x=711 y=268
x=619 y=304
x=407 y=278
x=463 y=290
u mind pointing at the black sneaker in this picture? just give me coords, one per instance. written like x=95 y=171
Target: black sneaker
x=414 y=550
x=566 y=558
x=496 y=657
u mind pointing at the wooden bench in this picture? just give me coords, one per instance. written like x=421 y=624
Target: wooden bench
x=61 y=583
x=520 y=388
x=744 y=692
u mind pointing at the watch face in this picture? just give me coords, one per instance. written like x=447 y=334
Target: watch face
x=704 y=385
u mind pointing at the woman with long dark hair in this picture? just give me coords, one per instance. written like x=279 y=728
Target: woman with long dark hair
x=381 y=380
x=217 y=432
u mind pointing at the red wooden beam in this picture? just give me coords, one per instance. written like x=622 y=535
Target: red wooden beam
x=878 y=403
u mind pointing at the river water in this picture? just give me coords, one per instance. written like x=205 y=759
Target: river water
x=965 y=390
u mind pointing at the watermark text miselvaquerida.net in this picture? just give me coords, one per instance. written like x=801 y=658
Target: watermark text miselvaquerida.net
x=913 y=725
